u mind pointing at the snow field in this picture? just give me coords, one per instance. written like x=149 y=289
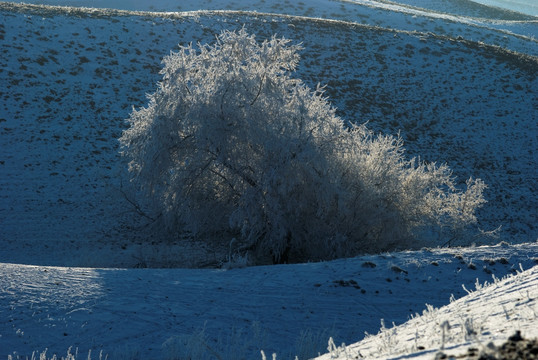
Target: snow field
x=69 y=79
x=68 y=94
x=465 y=18
x=484 y=318
x=274 y=307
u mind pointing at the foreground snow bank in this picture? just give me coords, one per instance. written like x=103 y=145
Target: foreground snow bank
x=288 y=309
x=483 y=320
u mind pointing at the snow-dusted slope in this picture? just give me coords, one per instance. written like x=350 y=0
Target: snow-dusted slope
x=477 y=323
x=435 y=74
x=287 y=309
x=456 y=18
x=72 y=75
x=523 y=6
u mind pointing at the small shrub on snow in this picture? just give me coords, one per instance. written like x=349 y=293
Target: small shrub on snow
x=230 y=145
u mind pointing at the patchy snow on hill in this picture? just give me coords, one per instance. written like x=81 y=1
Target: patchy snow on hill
x=72 y=76
x=457 y=80
x=515 y=31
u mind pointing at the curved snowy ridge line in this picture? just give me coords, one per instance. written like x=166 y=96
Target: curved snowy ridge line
x=53 y=10
x=393 y=7
x=483 y=4
x=521 y=6
x=408 y=9
x=485 y=317
x=529 y=60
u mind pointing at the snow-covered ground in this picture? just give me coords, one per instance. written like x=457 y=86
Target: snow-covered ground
x=287 y=309
x=523 y=6
x=72 y=76
x=474 y=324
x=456 y=79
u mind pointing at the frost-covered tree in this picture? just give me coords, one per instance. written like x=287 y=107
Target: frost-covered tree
x=231 y=146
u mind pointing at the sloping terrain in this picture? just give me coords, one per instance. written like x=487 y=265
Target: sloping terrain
x=73 y=75
x=476 y=9
x=456 y=79
x=485 y=324
x=509 y=29
x=287 y=309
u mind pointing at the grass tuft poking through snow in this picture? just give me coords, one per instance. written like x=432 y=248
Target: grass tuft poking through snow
x=69 y=356
x=484 y=320
x=290 y=310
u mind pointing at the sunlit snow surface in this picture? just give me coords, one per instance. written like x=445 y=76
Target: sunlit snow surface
x=529 y=7
x=69 y=79
x=487 y=316
x=140 y=309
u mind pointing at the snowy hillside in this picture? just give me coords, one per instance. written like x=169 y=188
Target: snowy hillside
x=479 y=323
x=456 y=79
x=72 y=76
x=287 y=309
x=455 y=18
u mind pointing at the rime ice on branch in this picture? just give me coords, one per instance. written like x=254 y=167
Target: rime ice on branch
x=231 y=146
